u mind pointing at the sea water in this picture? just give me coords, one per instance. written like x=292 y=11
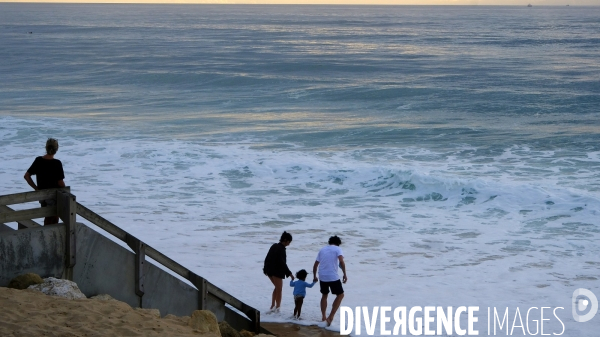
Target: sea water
x=455 y=150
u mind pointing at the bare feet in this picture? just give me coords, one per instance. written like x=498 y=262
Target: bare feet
x=328 y=321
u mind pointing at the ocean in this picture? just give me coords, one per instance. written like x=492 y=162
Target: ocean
x=455 y=150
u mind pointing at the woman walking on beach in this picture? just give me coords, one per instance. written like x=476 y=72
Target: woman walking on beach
x=50 y=174
x=276 y=268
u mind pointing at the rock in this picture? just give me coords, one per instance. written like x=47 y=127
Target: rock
x=227 y=330
x=58 y=287
x=246 y=333
x=153 y=312
x=204 y=321
x=24 y=281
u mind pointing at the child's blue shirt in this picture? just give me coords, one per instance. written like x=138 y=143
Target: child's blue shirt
x=300 y=287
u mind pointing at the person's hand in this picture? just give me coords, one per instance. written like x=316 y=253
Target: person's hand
x=292 y=276
x=344 y=279
x=315 y=279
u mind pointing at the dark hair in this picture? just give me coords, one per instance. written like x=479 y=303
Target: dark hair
x=285 y=237
x=51 y=146
x=301 y=274
x=335 y=240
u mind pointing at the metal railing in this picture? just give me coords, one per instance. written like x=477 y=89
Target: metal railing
x=66 y=207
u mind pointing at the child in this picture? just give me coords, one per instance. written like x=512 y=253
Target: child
x=300 y=291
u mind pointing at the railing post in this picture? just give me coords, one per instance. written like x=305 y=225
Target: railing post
x=257 y=322
x=66 y=207
x=139 y=248
x=200 y=283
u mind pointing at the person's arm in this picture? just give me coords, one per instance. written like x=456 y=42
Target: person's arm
x=343 y=266
x=289 y=272
x=61 y=176
x=283 y=263
x=292 y=282
x=310 y=285
x=315 y=266
x=30 y=181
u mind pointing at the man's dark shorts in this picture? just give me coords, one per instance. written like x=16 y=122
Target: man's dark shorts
x=335 y=286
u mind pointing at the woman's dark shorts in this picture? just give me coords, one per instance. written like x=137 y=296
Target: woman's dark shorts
x=335 y=286
x=270 y=273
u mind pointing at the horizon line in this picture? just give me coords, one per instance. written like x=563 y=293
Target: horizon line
x=303 y=3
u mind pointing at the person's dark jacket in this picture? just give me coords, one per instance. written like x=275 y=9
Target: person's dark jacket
x=275 y=262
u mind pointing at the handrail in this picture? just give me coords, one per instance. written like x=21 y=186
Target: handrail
x=8 y=214
x=99 y=221
x=19 y=198
x=27 y=223
x=167 y=262
x=27 y=214
x=204 y=287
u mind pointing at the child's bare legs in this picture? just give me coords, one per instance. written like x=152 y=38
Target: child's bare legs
x=276 y=296
x=298 y=308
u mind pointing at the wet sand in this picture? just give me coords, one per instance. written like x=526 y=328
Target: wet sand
x=295 y=330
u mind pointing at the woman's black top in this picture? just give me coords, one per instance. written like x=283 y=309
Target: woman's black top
x=48 y=171
x=275 y=262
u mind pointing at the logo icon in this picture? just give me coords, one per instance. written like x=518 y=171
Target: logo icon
x=583 y=300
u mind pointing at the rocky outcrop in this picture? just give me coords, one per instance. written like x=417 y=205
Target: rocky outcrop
x=227 y=330
x=204 y=321
x=24 y=281
x=58 y=287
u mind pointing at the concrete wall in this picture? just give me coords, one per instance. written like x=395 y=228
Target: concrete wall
x=103 y=267
x=33 y=250
x=5 y=228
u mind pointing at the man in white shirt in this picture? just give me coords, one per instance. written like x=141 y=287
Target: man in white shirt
x=328 y=260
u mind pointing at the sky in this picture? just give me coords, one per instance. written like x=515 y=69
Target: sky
x=351 y=2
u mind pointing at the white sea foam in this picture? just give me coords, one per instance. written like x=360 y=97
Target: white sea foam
x=419 y=227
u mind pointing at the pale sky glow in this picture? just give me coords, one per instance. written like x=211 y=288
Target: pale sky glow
x=348 y=2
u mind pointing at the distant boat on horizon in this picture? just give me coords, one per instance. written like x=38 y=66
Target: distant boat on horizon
x=529 y=5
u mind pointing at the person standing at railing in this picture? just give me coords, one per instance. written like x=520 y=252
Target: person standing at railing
x=276 y=268
x=49 y=174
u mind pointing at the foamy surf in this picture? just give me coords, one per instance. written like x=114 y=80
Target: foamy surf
x=431 y=230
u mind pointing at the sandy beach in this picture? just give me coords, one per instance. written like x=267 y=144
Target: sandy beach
x=32 y=313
